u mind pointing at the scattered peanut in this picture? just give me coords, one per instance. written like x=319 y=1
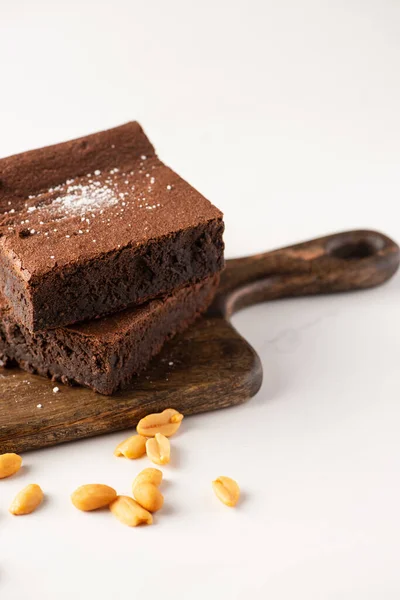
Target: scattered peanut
x=227 y=490
x=158 y=449
x=9 y=464
x=149 y=475
x=166 y=422
x=149 y=496
x=129 y=512
x=93 y=496
x=27 y=500
x=133 y=447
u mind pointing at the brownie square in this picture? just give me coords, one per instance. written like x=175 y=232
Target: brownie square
x=94 y=225
x=103 y=354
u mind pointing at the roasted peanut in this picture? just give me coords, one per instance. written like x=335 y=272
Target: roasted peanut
x=129 y=512
x=133 y=447
x=227 y=490
x=158 y=449
x=93 y=496
x=10 y=463
x=149 y=496
x=27 y=500
x=166 y=422
x=149 y=475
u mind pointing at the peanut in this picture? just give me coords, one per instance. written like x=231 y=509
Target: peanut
x=93 y=496
x=149 y=475
x=227 y=490
x=149 y=496
x=27 y=500
x=133 y=447
x=9 y=464
x=166 y=422
x=158 y=449
x=130 y=512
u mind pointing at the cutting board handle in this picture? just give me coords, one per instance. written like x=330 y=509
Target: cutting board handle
x=352 y=260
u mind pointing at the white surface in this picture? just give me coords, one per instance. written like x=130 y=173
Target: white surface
x=286 y=115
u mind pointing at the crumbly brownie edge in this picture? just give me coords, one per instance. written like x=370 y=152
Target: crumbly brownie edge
x=15 y=287
x=67 y=355
x=123 y=278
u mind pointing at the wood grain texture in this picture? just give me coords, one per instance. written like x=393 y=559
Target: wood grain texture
x=210 y=366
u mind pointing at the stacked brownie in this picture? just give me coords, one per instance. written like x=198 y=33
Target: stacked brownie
x=105 y=253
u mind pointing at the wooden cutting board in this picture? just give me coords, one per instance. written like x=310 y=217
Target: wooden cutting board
x=210 y=366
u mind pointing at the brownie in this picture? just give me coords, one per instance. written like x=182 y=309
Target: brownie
x=94 y=225
x=104 y=354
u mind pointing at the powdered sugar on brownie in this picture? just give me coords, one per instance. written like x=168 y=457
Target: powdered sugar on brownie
x=79 y=199
x=95 y=197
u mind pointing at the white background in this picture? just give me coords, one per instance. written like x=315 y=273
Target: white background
x=286 y=115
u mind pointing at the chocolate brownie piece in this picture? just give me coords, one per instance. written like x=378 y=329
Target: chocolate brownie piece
x=95 y=225
x=104 y=354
